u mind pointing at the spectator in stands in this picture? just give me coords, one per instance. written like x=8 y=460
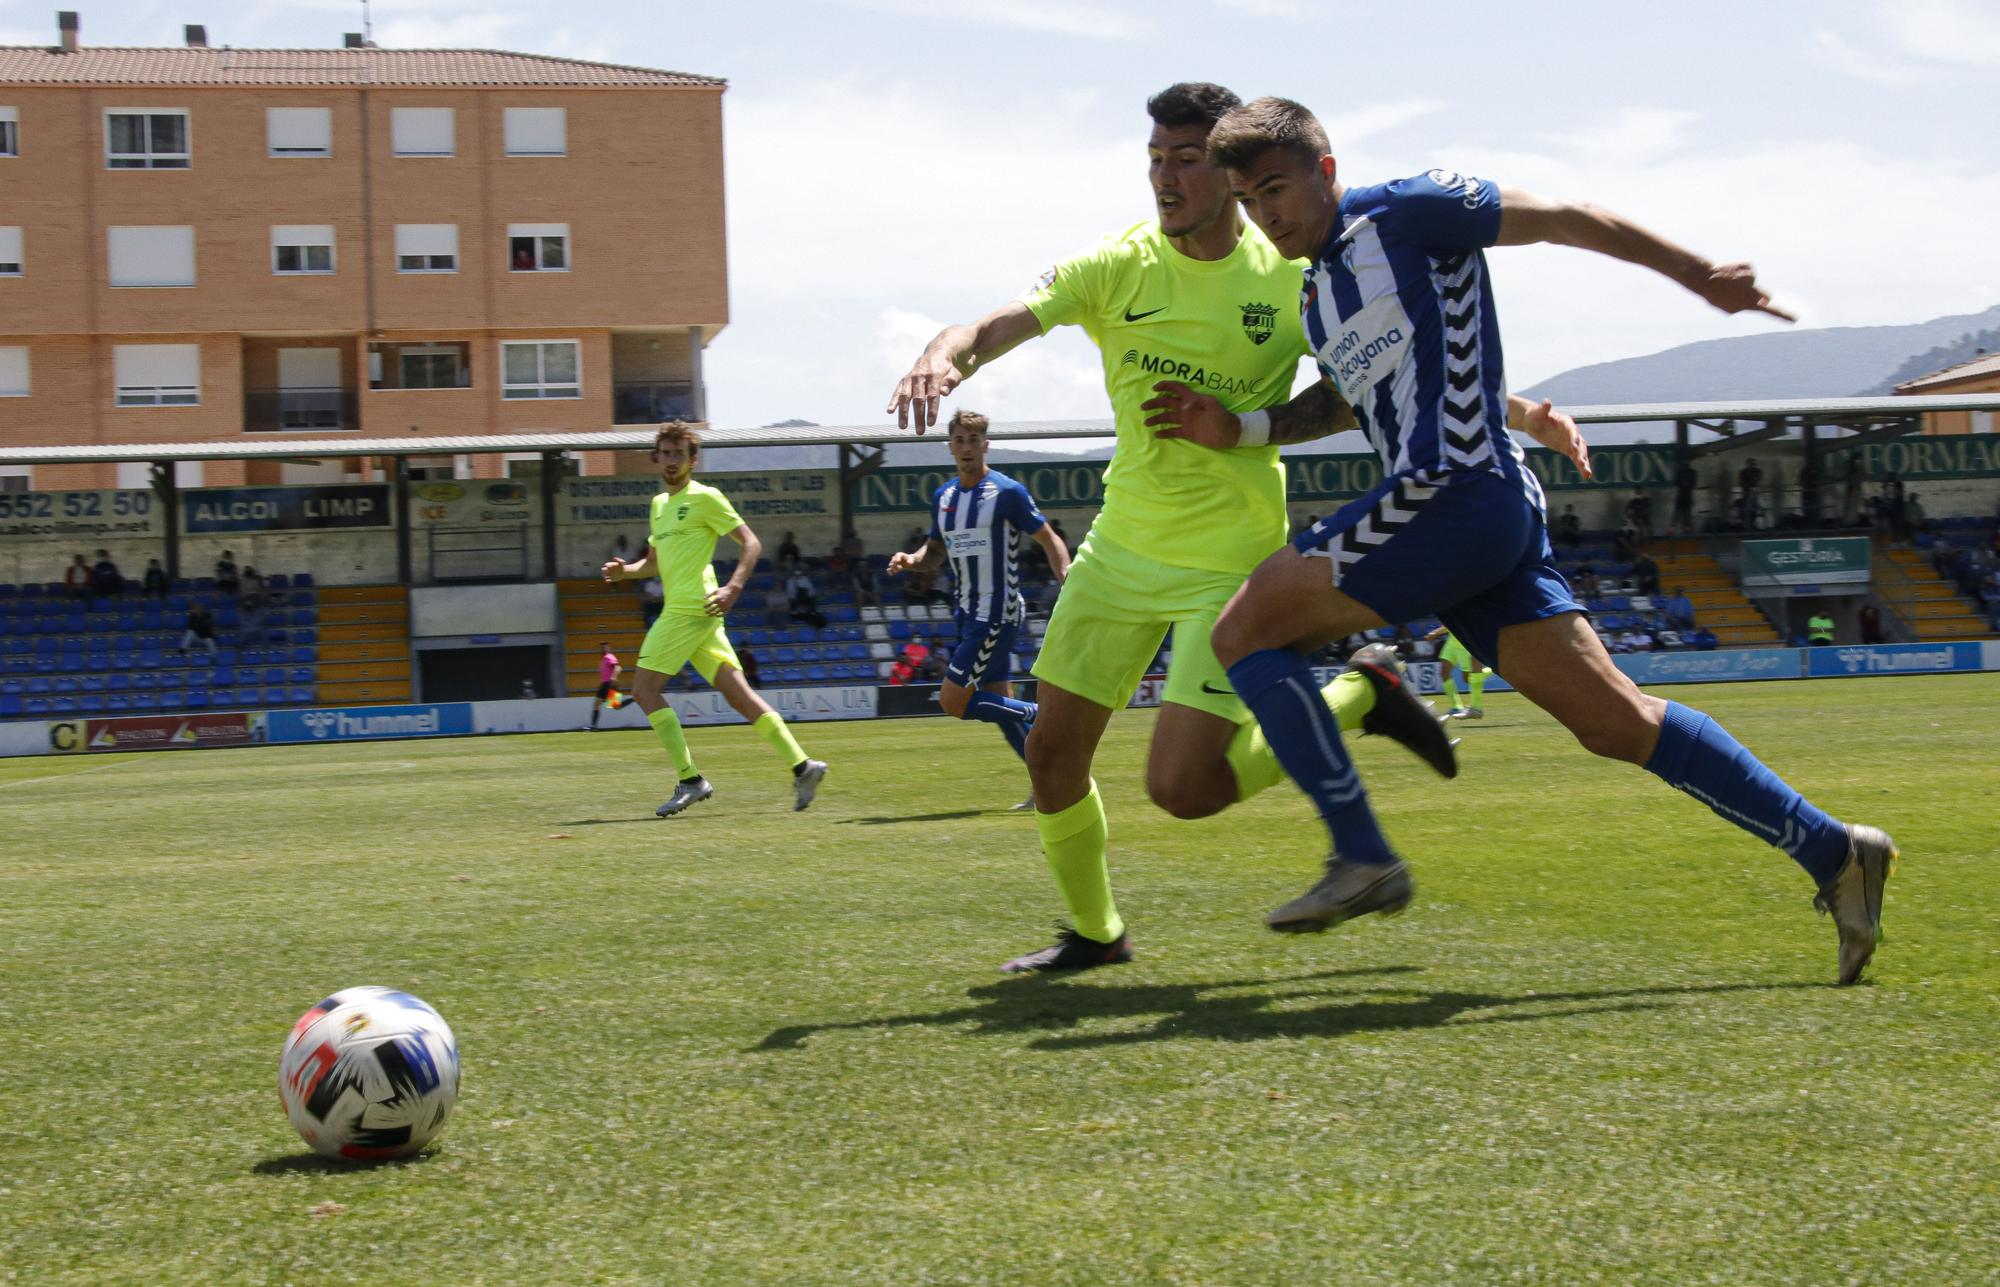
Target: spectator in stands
x=76 y=578
x=227 y=578
x=199 y=629
x=1704 y=639
x=251 y=610
x=853 y=547
x=1685 y=481
x=866 y=594
x=1748 y=480
x=1638 y=639
x=1809 y=485
x=805 y=600
x=1647 y=574
x=902 y=672
x=1850 y=505
x=1569 y=528
x=837 y=564
x=1639 y=513
x=1667 y=640
x=1678 y=607
x=1819 y=629
x=654 y=598
x=1871 y=624
x=1586 y=581
x=777 y=606
x=253 y=583
x=1915 y=520
x=156 y=579
x=1625 y=545
x=105 y=581
x=788 y=553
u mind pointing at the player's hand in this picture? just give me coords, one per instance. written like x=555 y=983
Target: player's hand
x=722 y=598
x=900 y=562
x=1180 y=412
x=916 y=397
x=614 y=570
x=1556 y=431
x=1733 y=288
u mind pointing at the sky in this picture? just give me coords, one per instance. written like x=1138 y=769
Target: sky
x=895 y=165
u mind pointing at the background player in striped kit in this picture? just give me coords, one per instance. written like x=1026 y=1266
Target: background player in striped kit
x=1400 y=313
x=976 y=522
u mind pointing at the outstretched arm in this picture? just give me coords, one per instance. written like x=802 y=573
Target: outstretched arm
x=1549 y=427
x=953 y=356
x=1180 y=412
x=1053 y=547
x=907 y=560
x=1527 y=218
x=620 y=570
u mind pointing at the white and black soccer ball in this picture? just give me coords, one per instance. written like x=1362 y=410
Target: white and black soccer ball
x=369 y=1074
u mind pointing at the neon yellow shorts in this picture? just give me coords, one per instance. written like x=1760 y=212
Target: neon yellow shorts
x=1115 y=608
x=1454 y=652
x=676 y=640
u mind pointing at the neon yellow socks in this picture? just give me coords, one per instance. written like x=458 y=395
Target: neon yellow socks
x=772 y=728
x=1073 y=841
x=668 y=726
x=1255 y=764
x=1478 y=681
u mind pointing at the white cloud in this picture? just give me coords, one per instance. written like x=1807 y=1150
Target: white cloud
x=1632 y=134
x=1266 y=8
x=1945 y=31
x=1344 y=129
x=1095 y=22
x=1831 y=51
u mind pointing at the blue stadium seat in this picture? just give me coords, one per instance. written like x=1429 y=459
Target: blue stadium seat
x=784 y=656
x=222 y=676
x=275 y=697
x=118 y=702
x=303 y=674
x=302 y=578
x=145 y=702
x=91 y=703
x=274 y=675
x=857 y=652
x=246 y=696
x=172 y=700
x=36 y=706
x=899 y=630
x=302 y=598
x=143 y=681
x=305 y=636
x=304 y=655
x=10 y=705
x=305 y=616
x=63 y=705
x=65 y=684
x=277 y=581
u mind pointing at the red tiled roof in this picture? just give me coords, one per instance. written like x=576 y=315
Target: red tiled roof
x=1979 y=366
x=106 y=65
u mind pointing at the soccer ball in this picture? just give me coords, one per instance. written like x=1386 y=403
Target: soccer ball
x=369 y=1074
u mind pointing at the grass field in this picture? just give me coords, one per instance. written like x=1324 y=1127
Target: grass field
x=749 y=1046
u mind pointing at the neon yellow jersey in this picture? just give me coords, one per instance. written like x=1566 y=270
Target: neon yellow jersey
x=1228 y=327
x=685 y=525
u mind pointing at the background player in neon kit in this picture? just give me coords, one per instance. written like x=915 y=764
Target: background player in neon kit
x=1210 y=510
x=1461 y=529
x=690 y=515
x=986 y=622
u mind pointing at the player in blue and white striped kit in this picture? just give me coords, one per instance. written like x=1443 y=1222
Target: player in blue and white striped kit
x=977 y=520
x=1399 y=311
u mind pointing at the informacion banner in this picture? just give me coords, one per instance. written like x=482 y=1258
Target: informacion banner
x=1824 y=560
x=157 y=732
x=1893 y=659
x=272 y=509
x=366 y=723
x=83 y=514
x=1720 y=666
x=625 y=501
x=705 y=706
x=473 y=502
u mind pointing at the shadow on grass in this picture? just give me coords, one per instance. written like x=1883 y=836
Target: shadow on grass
x=1248 y=1009
x=310 y=1163
x=916 y=817
x=606 y=822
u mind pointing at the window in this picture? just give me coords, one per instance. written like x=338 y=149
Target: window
x=538 y=247
x=299 y=131
x=10 y=252
x=302 y=248
x=537 y=131
x=422 y=131
x=13 y=372
x=540 y=369
x=157 y=375
x=151 y=256
x=437 y=365
x=146 y=138
x=10 y=131
x=426 y=247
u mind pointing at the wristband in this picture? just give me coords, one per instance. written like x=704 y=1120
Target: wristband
x=1256 y=430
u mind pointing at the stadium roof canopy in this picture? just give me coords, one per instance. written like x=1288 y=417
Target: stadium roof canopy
x=1858 y=413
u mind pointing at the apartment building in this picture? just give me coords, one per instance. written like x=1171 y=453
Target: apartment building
x=202 y=244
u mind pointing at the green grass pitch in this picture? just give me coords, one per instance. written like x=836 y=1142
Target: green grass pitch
x=753 y=1046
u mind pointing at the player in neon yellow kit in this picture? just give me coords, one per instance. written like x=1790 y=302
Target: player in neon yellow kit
x=686 y=520
x=1193 y=303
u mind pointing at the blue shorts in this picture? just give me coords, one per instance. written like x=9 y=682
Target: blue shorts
x=985 y=652
x=1472 y=549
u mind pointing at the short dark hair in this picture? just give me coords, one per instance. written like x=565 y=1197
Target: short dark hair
x=1191 y=102
x=678 y=431
x=1253 y=129
x=963 y=419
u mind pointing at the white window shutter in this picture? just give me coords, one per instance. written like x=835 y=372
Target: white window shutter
x=148 y=366
x=426 y=239
x=538 y=230
x=299 y=129
x=537 y=131
x=10 y=246
x=422 y=131
x=13 y=372
x=159 y=256
x=302 y=234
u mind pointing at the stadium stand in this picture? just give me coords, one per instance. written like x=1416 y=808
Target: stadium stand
x=364 y=645
x=1937 y=590
x=1719 y=603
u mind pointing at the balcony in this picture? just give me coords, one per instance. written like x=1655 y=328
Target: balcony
x=652 y=402
x=291 y=410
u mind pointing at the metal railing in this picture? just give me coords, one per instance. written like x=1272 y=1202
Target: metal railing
x=284 y=410
x=648 y=402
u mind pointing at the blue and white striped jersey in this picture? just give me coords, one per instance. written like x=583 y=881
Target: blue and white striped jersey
x=979 y=527
x=1398 y=309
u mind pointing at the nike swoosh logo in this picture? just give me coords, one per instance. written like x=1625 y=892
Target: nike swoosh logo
x=1207 y=687
x=1131 y=316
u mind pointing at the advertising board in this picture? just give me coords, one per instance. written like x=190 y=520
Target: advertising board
x=180 y=732
x=369 y=723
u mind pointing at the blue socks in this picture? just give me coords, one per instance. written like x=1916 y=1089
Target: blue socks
x=1014 y=717
x=1277 y=686
x=1697 y=756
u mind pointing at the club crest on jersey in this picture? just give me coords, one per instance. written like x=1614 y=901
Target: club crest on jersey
x=1260 y=322
x=681 y=513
